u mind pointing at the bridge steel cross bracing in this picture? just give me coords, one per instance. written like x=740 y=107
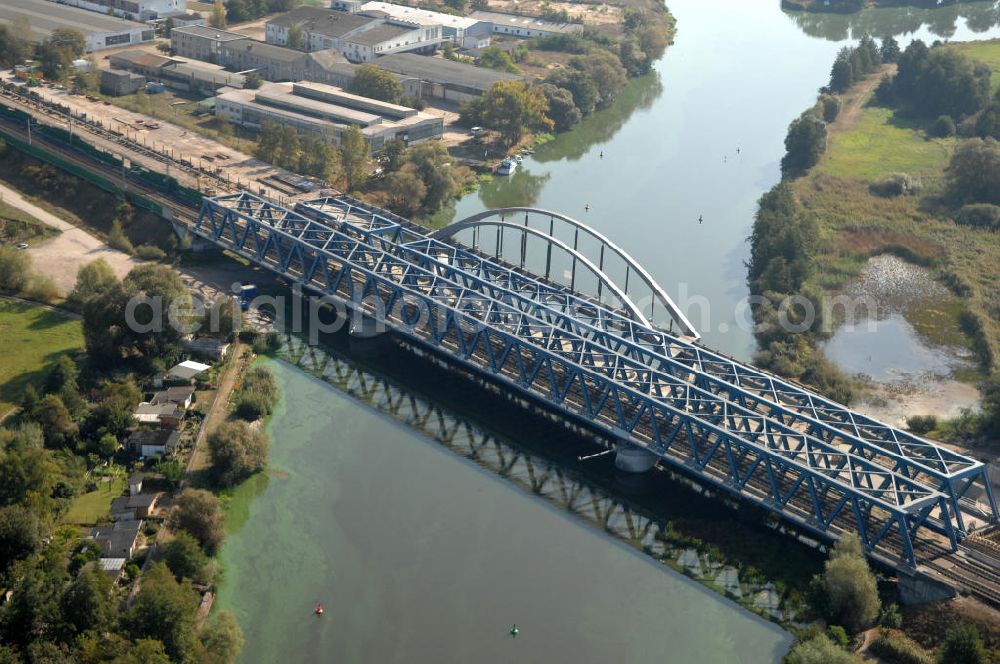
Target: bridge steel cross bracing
x=637 y=384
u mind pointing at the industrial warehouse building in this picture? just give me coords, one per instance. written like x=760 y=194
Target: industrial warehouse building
x=517 y=25
x=98 y=30
x=444 y=79
x=326 y=111
x=273 y=63
x=463 y=31
x=200 y=42
x=134 y=10
x=357 y=37
x=176 y=73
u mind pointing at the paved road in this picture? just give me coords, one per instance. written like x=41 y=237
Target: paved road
x=62 y=256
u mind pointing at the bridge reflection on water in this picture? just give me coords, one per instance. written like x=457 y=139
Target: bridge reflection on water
x=592 y=490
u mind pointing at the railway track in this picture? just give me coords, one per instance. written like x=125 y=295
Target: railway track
x=963 y=571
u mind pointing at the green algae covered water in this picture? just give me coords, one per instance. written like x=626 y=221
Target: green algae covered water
x=419 y=555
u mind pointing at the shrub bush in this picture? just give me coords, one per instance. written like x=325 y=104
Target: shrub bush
x=897 y=648
x=839 y=636
x=982 y=215
x=15 y=269
x=150 y=253
x=831 y=107
x=895 y=184
x=943 y=127
x=42 y=288
x=258 y=395
x=921 y=424
x=118 y=240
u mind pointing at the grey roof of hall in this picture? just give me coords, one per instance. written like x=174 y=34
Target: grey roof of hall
x=439 y=70
x=328 y=58
x=293 y=115
x=378 y=34
x=522 y=21
x=315 y=108
x=208 y=33
x=45 y=17
x=271 y=51
x=328 y=22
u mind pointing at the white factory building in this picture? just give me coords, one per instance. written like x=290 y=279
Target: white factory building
x=358 y=37
x=134 y=10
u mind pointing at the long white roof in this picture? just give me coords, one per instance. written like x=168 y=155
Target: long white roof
x=419 y=16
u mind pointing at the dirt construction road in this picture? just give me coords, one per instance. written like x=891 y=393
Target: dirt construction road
x=62 y=256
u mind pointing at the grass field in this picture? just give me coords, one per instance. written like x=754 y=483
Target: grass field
x=89 y=508
x=987 y=52
x=32 y=338
x=881 y=144
x=856 y=224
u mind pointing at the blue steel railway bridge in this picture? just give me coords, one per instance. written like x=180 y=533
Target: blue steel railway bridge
x=553 y=312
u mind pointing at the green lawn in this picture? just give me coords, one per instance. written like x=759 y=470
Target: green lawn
x=89 y=508
x=881 y=144
x=31 y=338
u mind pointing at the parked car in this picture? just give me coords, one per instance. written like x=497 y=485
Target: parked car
x=21 y=245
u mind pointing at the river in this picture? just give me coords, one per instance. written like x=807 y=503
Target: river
x=421 y=555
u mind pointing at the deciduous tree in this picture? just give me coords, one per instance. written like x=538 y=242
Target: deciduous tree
x=237 y=451
x=197 y=513
x=164 y=610
x=20 y=534
x=354 y=157
x=512 y=108
x=376 y=83
x=851 y=590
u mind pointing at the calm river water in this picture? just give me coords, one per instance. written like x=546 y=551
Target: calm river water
x=422 y=556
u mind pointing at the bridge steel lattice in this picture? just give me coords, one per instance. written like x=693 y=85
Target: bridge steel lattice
x=819 y=465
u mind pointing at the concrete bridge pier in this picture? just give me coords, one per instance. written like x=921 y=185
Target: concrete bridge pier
x=634 y=460
x=198 y=245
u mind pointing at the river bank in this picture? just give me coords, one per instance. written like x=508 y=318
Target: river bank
x=933 y=279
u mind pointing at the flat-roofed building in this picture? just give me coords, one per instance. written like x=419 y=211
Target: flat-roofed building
x=177 y=73
x=273 y=63
x=358 y=37
x=200 y=42
x=444 y=79
x=327 y=111
x=118 y=82
x=463 y=31
x=99 y=31
x=134 y=10
x=518 y=25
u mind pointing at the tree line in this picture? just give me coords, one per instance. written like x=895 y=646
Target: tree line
x=55 y=54
x=63 y=607
x=592 y=79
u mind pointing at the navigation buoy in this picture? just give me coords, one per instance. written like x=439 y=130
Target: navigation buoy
x=514 y=630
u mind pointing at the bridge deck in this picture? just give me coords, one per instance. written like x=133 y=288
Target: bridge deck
x=809 y=459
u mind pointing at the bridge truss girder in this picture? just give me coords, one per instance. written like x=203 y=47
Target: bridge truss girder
x=807 y=480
